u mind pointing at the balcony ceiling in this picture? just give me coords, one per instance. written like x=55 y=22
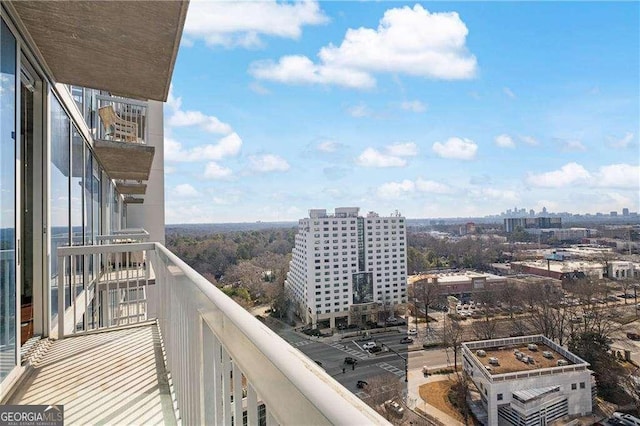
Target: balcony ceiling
x=133 y=200
x=125 y=47
x=125 y=160
x=129 y=188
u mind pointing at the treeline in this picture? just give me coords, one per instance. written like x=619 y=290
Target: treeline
x=213 y=254
x=425 y=252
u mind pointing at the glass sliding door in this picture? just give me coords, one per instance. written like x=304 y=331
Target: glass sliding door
x=8 y=192
x=59 y=211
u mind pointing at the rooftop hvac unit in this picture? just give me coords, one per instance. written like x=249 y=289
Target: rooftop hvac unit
x=532 y=347
x=562 y=362
x=547 y=354
x=494 y=361
x=481 y=353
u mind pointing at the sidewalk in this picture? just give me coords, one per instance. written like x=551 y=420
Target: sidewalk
x=417 y=379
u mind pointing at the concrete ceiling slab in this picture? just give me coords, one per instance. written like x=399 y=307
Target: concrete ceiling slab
x=125 y=47
x=125 y=160
x=127 y=188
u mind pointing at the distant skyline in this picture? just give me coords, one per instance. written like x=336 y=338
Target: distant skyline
x=438 y=109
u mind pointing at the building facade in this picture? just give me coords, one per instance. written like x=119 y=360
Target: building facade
x=527 y=380
x=347 y=268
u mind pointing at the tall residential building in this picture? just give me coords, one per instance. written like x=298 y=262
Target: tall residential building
x=82 y=86
x=347 y=268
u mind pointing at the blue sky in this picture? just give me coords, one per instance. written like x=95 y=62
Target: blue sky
x=434 y=109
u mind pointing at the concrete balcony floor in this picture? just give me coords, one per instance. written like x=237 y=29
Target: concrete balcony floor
x=111 y=377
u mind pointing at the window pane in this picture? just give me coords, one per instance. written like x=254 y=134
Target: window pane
x=7 y=202
x=59 y=192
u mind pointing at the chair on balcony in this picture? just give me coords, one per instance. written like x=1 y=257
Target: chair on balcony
x=117 y=128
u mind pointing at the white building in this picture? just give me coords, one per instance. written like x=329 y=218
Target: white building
x=527 y=380
x=346 y=267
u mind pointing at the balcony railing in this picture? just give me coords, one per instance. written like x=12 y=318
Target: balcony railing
x=121 y=119
x=224 y=364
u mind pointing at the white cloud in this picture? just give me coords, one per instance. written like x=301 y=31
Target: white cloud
x=359 y=111
x=371 y=157
x=259 y=89
x=572 y=145
x=396 y=189
x=181 y=118
x=215 y=171
x=413 y=106
x=328 y=146
x=391 y=157
x=505 y=195
x=508 y=92
x=408 y=149
x=208 y=123
x=570 y=173
x=623 y=142
x=393 y=190
x=432 y=187
x=529 y=140
x=301 y=70
x=505 y=141
x=185 y=191
x=228 y=146
x=240 y=24
x=456 y=148
x=408 y=40
x=268 y=163
x=618 y=176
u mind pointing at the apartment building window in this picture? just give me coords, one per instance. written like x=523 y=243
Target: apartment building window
x=573 y=386
x=499 y=397
x=582 y=385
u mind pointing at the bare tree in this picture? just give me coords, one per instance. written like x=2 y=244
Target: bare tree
x=452 y=338
x=382 y=388
x=425 y=293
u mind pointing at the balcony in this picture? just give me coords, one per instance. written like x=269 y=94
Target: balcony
x=120 y=138
x=139 y=325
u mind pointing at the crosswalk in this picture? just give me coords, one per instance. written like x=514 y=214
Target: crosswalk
x=302 y=343
x=351 y=351
x=391 y=369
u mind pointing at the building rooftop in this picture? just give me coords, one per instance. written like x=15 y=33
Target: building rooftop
x=456 y=277
x=504 y=359
x=507 y=362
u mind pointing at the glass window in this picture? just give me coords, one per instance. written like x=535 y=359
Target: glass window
x=77 y=183
x=58 y=192
x=7 y=202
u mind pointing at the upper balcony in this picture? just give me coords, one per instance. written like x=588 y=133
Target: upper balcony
x=138 y=327
x=120 y=131
x=120 y=138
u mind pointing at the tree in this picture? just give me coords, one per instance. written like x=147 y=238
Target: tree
x=452 y=338
x=382 y=388
x=594 y=348
x=425 y=292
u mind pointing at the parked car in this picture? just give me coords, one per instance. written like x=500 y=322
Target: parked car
x=375 y=349
x=350 y=360
x=407 y=339
x=361 y=384
x=394 y=408
x=633 y=336
x=412 y=332
x=369 y=345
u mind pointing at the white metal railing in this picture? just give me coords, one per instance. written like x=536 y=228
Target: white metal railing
x=101 y=286
x=224 y=363
x=131 y=235
x=121 y=119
